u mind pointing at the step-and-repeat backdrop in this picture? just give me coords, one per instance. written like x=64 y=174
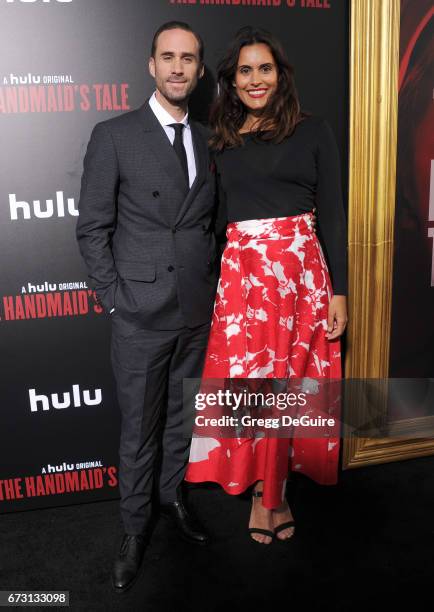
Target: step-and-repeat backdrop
x=64 y=66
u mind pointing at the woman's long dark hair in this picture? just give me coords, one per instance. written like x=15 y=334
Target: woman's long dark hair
x=228 y=113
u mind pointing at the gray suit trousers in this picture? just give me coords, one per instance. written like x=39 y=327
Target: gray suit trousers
x=149 y=367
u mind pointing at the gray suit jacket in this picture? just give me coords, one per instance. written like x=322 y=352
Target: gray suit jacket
x=149 y=249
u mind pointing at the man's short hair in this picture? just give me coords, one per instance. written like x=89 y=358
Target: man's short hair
x=176 y=25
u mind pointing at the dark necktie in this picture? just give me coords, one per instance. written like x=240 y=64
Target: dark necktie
x=178 y=145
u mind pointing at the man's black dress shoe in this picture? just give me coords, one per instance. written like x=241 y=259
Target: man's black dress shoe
x=128 y=561
x=188 y=527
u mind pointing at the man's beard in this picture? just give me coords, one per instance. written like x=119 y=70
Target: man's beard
x=174 y=97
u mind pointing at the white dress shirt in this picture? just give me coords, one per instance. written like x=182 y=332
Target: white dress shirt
x=165 y=119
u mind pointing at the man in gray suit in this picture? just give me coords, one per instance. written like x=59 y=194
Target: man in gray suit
x=144 y=230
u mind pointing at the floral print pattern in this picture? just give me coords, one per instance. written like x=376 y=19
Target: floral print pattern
x=269 y=321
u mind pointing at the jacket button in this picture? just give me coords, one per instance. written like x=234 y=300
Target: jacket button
x=170 y=268
x=156 y=194
x=173 y=230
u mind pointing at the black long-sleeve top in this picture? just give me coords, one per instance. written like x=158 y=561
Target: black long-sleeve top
x=261 y=180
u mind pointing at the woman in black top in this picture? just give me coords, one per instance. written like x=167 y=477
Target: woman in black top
x=278 y=314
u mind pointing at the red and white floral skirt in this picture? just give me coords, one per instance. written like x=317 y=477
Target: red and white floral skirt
x=269 y=321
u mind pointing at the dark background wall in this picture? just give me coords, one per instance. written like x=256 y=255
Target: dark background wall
x=53 y=340
x=412 y=333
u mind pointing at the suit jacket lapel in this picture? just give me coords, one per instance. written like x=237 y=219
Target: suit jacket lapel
x=156 y=139
x=200 y=149
x=158 y=142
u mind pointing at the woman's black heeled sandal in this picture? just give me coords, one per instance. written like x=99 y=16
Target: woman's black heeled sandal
x=266 y=532
x=283 y=526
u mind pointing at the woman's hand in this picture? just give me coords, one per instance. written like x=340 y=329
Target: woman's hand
x=337 y=317
x=314 y=219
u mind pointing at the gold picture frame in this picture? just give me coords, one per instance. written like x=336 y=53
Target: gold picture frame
x=374 y=68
